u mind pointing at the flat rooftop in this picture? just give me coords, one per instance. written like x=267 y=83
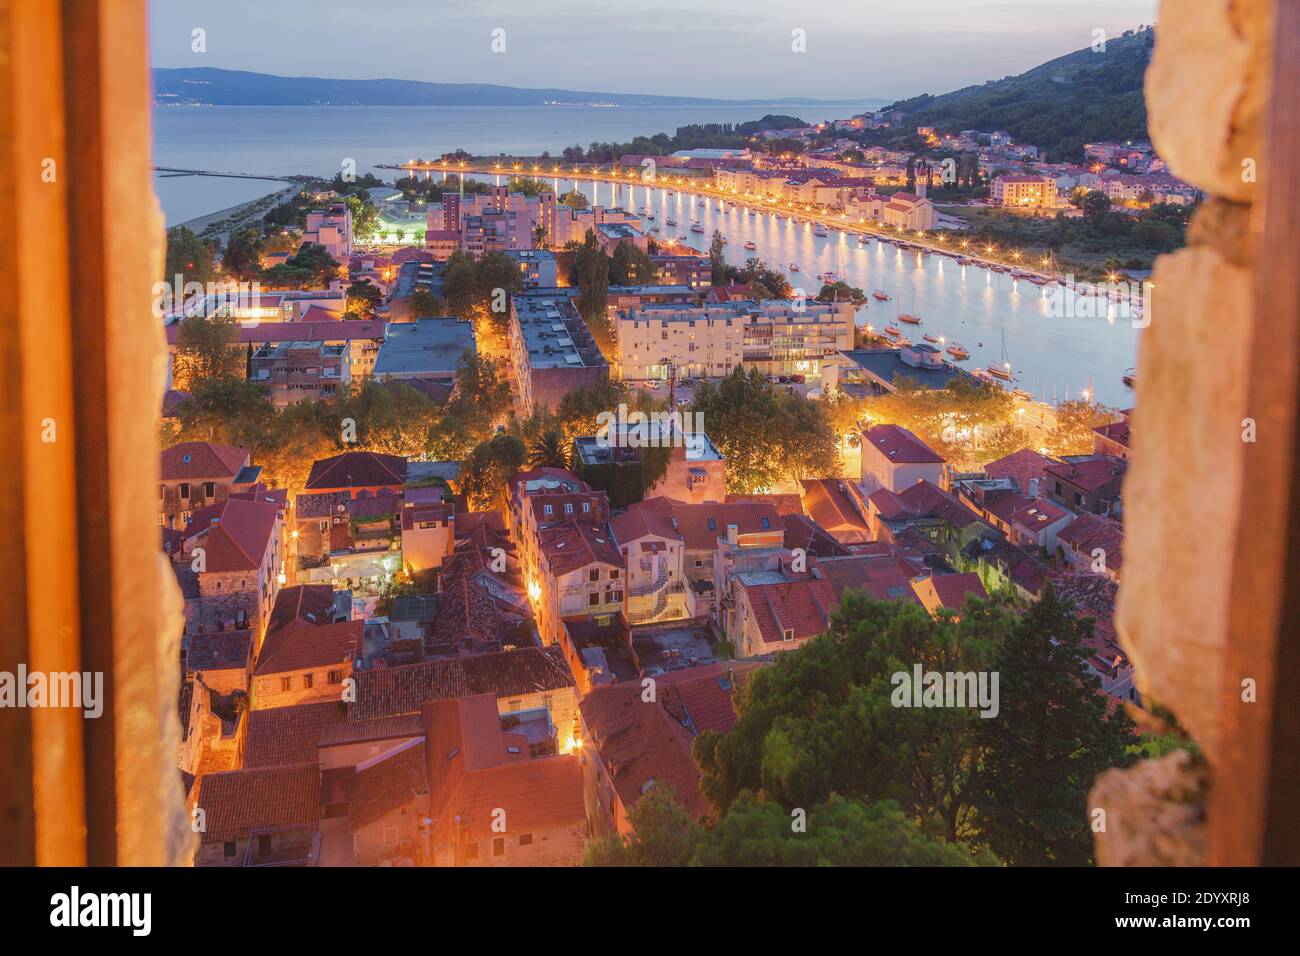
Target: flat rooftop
x=885 y=364
x=553 y=331
x=427 y=345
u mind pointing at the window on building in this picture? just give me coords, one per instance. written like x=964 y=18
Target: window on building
x=593 y=574
x=788 y=635
x=307 y=681
x=499 y=846
x=471 y=851
x=185 y=490
x=286 y=683
x=525 y=839
x=335 y=677
x=209 y=489
x=228 y=848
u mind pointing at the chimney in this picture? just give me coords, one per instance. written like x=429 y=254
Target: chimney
x=1033 y=488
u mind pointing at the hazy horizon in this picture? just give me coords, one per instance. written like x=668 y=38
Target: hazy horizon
x=720 y=49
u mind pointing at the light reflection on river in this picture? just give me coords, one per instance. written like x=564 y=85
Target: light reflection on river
x=1052 y=357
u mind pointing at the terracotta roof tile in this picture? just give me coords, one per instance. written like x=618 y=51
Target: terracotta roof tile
x=286 y=736
x=356 y=469
x=900 y=445
x=202 y=459
x=234 y=534
x=239 y=801
x=301 y=645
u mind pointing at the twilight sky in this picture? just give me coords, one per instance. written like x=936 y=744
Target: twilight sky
x=721 y=48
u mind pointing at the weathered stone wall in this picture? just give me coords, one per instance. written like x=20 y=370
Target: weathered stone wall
x=1206 y=90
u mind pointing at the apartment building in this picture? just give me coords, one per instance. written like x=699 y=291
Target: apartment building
x=331 y=228
x=551 y=350
x=776 y=337
x=298 y=371
x=1024 y=191
x=196 y=474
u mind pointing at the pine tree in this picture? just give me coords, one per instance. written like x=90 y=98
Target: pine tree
x=1051 y=738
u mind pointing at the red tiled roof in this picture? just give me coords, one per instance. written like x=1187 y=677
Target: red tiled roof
x=1032 y=513
x=1092 y=474
x=356 y=469
x=1091 y=531
x=642 y=747
x=575 y=544
x=886 y=575
x=952 y=589
x=784 y=503
x=830 y=505
x=803 y=606
x=703 y=698
x=313 y=603
x=405 y=689
x=1121 y=433
x=331 y=330
x=472 y=775
x=302 y=645
x=637 y=523
x=202 y=459
x=387 y=782
x=750 y=517
x=922 y=500
x=234 y=534
x=285 y=736
x=900 y=445
x=1020 y=466
x=239 y=801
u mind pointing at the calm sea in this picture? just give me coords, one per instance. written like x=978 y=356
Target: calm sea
x=283 y=140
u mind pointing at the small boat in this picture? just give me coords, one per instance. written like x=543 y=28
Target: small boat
x=902 y=342
x=750 y=244
x=683 y=238
x=703 y=203
x=1039 y=280
x=650 y=216
x=1130 y=378
x=821 y=231
x=930 y=338
x=696 y=227
x=671 y=221
x=958 y=351
x=863 y=240
x=654 y=230
x=892 y=329
x=794 y=267
x=830 y=277
x=1021 y=394
x=881 y=296
x=910 y=319
x=1000 y=371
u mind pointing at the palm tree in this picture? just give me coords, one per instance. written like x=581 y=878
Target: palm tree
x=548 y=450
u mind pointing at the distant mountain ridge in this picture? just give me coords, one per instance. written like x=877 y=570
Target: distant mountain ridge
x=1074 y=99
x=207 y=86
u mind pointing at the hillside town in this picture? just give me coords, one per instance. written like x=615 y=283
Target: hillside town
x=515 y=548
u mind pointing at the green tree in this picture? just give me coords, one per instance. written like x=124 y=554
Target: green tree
x=548 y=450
x=1053 y=735
x=822 y=720
x=1095 y=205
x=591 y=272
x=365 y=218
x=425 y=303
x=187 y=256
x=718 y=259
x=206 y=350
x=363 y=299
x=663 y=835
x=1073 y=432
x=575 y=200
x=840 y=832
x=242 y=258
x=741 y=415
x=485 y=473
x=630 y=265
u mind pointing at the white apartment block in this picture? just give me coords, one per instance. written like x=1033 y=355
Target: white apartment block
x=777 y=337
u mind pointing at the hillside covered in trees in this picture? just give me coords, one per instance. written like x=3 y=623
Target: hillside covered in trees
x=1078 y=98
